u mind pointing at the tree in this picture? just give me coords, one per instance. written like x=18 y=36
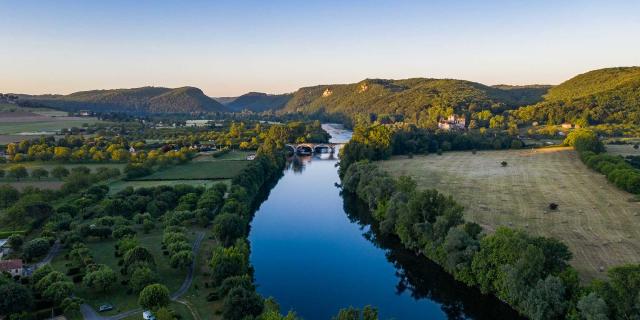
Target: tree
x=228 y=262
x=584 y=140
x=546 y=299
x=16 y=241
x=241 y=303
x=181 y=259
x=228 y=227
x=102 y=279
x=59 y=172
x=142 y=277
x=35 y=248
x=138 y=255
x=39 y=173
x=15 y=297
x=17 y=172
x=154 y=296
x=592 y=307
x=8 y=195
x=58 y=291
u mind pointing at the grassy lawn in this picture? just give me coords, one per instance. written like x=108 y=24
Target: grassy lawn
x=116 y=186
x=103 y=253
x=622 y=150
x=199 y=170
x=596 y=220
x=49 y=184
x=43 y=126
x=231 y=155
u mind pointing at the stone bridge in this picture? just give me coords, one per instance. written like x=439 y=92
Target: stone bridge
x=312 y=148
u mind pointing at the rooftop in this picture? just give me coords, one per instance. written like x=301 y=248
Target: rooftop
x=6 y=265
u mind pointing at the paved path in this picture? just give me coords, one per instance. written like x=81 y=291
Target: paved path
x=89 y=314
x=53 y=252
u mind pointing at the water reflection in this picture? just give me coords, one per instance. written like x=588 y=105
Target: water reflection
x=422 y=278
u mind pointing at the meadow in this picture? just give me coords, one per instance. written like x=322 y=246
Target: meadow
x=599 y=223
x=119 y=185
x=199 y=170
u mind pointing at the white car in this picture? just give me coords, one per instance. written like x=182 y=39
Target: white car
x=147 y=315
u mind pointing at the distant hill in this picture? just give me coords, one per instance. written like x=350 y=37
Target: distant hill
x=417 y=100
x=609 y=95
x=258 y=102
x=145 y=99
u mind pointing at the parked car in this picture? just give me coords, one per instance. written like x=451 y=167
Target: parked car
x=147 y=315
x=105 y=307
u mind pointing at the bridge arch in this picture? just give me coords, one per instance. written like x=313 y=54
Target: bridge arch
x=323 y=148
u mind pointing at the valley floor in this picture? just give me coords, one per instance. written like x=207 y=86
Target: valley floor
x=599 y=223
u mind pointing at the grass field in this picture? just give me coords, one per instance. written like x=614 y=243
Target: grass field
x=116 y=186
x=50 y=184
x=199 y=170
x=622 y=150
x=595 y=219
x=231 y=155
x=36 y=127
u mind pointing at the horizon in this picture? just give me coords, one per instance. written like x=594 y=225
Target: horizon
x=228 y=49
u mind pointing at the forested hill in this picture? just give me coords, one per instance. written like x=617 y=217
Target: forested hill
x=417 y=100
x=258 y=102
x=145 y=99
x=609 y=95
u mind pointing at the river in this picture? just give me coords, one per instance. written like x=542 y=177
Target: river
x=314 y=251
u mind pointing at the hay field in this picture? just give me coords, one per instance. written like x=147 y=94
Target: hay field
x=595 y=219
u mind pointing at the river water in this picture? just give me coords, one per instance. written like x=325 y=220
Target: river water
x=314 y=251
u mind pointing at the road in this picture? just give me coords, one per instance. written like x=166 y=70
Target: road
x=89 y=314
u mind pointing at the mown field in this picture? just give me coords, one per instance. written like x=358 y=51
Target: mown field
x=599 y=223
x=199 y=170
x=622 y=150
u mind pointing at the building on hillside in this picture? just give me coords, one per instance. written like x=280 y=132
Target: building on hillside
x=5 y=249
x=453 y=122
x=13 y=267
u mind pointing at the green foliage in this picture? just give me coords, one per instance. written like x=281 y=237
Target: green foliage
x=141 y=277
x=154 y=296
x=16 y=298
x=241 y=303
x=599 y=96
x=418 y=101
x=35 y=248
x=584 y=140
x=351 y=313
x=101 y=278
x=229 y=262
x=227 y=227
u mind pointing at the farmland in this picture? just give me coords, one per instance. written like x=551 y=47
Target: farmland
x=597 y=221
x=200 y=170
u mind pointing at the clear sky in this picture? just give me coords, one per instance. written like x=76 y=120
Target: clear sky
x=228 y=48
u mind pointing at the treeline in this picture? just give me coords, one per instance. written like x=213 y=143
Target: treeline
x=617 y=170
x=231 y=272
x=530 y=273
x=379 y=141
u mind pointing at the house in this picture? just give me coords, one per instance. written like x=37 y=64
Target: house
x=567 y=126
x=251 y=157
x=132 y=150
x=452 y=122
x=5 y=249
x=197 y=123
x=13 y=267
